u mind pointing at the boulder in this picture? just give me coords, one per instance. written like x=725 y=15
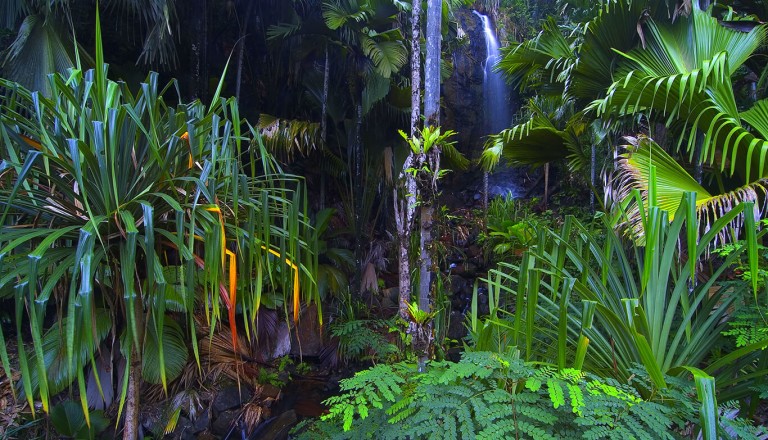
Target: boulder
x=306 y=337
x=231 y=397
x=223 y=423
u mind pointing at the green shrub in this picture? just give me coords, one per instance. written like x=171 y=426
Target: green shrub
x=491 y=395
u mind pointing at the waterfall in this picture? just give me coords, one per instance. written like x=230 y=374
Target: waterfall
x=504 y=181
x=497 y=115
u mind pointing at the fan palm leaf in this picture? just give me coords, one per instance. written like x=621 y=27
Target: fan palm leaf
x=386 y=51
x=633 y=173
x=37 y=51
x=10 y=11
x=684 y=74
x=540 y=60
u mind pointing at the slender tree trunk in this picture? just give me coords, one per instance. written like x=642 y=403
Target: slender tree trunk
x=241 y=48
x=546 y=184
x=415 y=66
x=592 y=171
x=324 y=120
x=432 y=116
x=358 y=183
x=405 y=210
x=199 y=62
x=133 y=397
x=430 y=158
x=432 y=69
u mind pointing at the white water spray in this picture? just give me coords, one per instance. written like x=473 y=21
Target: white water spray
x=497 y=115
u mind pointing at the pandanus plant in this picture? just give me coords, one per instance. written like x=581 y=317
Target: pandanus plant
x=123 y=215
x=591 y=299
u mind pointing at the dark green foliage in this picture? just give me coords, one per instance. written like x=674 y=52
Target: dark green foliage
x=738 y=428
x=69 y=420
x=362 y=339
x=489 y=396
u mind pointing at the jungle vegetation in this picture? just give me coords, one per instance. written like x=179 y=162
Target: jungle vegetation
x=179 y=181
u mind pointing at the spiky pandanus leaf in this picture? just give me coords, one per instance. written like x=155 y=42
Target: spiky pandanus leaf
x=99 y=183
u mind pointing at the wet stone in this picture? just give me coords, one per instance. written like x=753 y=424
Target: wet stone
x=231 y=397
x=224 y=423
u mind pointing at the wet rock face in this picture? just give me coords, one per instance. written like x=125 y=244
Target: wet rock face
x=463 y=91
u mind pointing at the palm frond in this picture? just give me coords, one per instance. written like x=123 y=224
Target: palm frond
x=757 y=117
x=539 y=60
x=523 y=145
x=684 y=73
x=37 y=51
x=615 y=28
x=158 y=20
x=165 y=352
x=387 y=52
x=633 y=173
x=11 y=11
x=338 y=13
x=289 y=137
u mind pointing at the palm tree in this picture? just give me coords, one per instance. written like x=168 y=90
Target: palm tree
x=616 y=68
x=374 y=51
x=43 y=42
x=689 y=85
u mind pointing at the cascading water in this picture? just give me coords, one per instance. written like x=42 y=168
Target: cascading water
x=495 y=92
x=504 y=180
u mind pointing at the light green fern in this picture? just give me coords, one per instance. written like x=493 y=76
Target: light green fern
x=490 y=396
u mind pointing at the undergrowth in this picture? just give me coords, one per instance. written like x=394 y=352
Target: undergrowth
x=490 y=396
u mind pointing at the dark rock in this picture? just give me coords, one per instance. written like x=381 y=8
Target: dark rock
x=276 y=428
x=202 y=421
x=463 y=91
x=206 y=436
x=306 y=338
x=183 y=430
x=282 y=345
x=459 y=285
x=269 y=391
x=466 y=269
x=223 y=423
x=457 y=326
x=231 y=397
x=474 y=251
x=152 y=417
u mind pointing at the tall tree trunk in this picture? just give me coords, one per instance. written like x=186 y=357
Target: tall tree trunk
x=199 y=52
x=432 y=69
x=324 y=120
x=133 y=397
x=241 y=48
x=405 y=206
x=415 y=65
x=592 y=172
x=430 y=158
x=432 y=116
x=358 y=187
